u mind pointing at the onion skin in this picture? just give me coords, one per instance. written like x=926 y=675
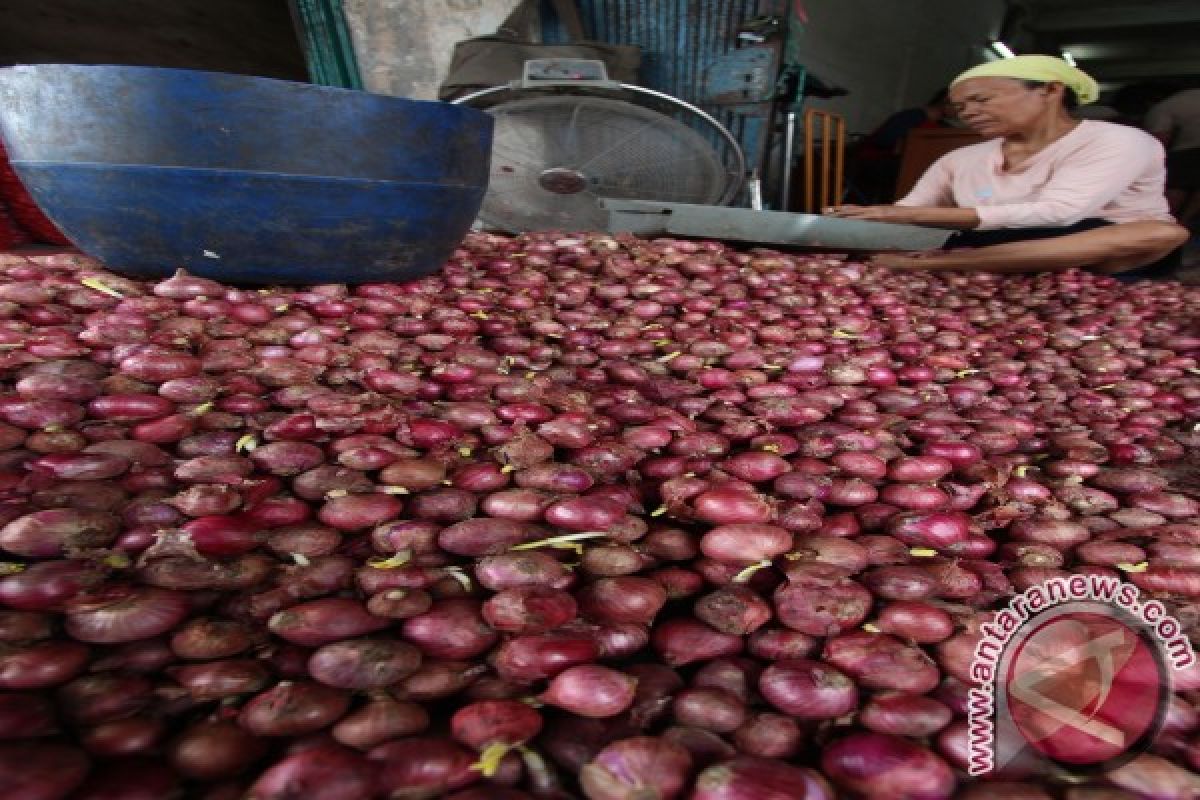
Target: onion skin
x=762 y=779
x=42 y=665
x=26 y=716
x=622 y=600
x=591 y=691
x=780 y=644
x=52 y=533
x=423 y=767
x=683 y=641
x=210 y=638
x=41 y=771
x=326 y=620
x=934 y=529
x=705 y=747
x=1156 y=777
x=821 y=602
x=483 y=537
x=382 y=718
x=745 y=543
x=451 y=629
x=529 y=609
x=363 y=663
x=642 y=766
x=733 y=609
x=293 y=709
x=876 y=764
x=529 y=568
x=903 y=714
x=808 y=689
x=529 y=658
x=126 y=614
x=214 y=750
x=769 y=735
x=495 y=722
x=921 y=622
x=129 y=779
x=321 y=773
x=710 y=708
x=434 y=680
x=131 y=736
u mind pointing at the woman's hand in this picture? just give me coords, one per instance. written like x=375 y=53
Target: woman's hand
x=921 y=261
x=931 y=216
x=899 y=214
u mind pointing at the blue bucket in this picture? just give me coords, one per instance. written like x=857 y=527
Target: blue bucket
x=244 y=180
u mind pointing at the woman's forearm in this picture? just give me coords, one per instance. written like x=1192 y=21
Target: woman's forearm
x=1115 y=247
x=954 y=218
x=931 y=216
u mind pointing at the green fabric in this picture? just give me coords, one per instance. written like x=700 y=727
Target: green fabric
x=327 y=45
x=1045 y=69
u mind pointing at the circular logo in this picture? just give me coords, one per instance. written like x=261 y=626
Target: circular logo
x=1085 y=687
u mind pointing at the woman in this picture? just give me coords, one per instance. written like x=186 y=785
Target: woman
x=1046 y=192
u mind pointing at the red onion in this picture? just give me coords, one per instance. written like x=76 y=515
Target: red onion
x=733 y=609
x=451 y=629
x=321 y=773
x=423 y=766
x=217 y=680
x=622 y=599
x=529 y=609
x=768 y=779
x=918 y=621
x=293 y=709
x=684 y=641
x=642 y=766
x=745 y=543
x=591 y=691
x=769 y=735
x=878 y=764
x=363 y=663
x=41 y=771
x=272 y=536
x=42 y=665
x=710 y=708
x=125 y=614
x=325 y=620
x=933 y=529
x=55 y=532
x=903 y=714
x=381 y=719
x=821 y=601
x=808 y=689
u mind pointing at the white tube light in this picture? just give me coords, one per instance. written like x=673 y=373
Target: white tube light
x=1067 y=57
x=1002 y=50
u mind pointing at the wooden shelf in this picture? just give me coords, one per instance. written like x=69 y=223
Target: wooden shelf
x=923 y=146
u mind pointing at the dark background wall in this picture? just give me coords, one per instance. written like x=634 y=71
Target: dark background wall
x=250 y=37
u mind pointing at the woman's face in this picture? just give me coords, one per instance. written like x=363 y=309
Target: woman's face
x=1003 y=106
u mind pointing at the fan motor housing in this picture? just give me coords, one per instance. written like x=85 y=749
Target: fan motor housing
x=561 y=146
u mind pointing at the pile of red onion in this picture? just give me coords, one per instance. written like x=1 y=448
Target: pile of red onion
x=578 y=517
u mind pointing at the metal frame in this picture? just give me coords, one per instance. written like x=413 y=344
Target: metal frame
x=736 y=174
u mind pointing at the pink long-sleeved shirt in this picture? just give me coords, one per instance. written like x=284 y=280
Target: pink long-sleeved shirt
x=1098 y=170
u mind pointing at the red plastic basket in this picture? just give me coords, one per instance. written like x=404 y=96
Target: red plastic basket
x=22 y=208
x=11 y=233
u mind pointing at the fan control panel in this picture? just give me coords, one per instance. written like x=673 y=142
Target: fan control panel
x=542 y=71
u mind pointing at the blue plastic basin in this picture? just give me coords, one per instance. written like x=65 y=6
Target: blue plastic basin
x=246 y=180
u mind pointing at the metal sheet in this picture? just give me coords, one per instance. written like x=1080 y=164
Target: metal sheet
x=767 y=227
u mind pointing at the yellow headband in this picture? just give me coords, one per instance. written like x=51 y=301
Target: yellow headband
x=1044 y=69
